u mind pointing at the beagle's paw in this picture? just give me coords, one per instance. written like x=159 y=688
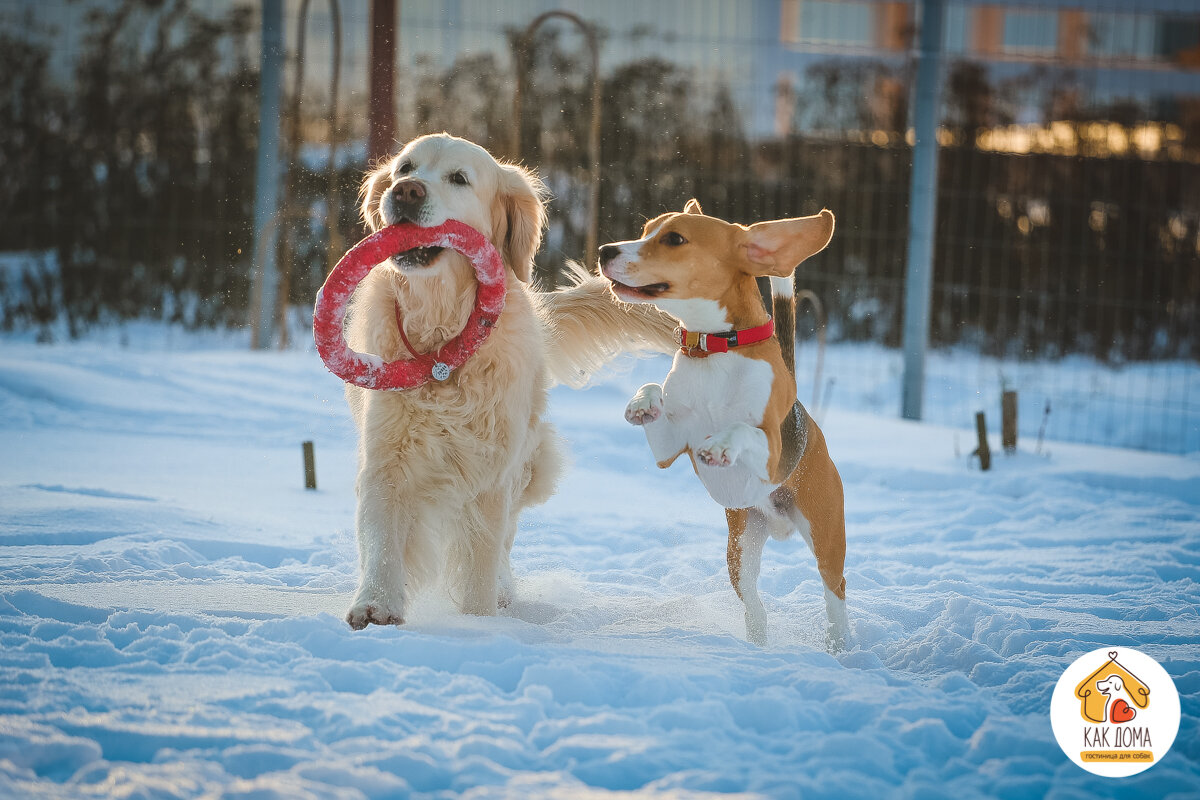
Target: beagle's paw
x=717 y=451
x=646 y=405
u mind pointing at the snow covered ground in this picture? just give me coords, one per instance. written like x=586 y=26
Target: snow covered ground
x=171 y=601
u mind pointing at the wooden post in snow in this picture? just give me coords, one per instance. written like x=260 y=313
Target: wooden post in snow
x=983 y=451
x=310 y=466
x=1008 y=421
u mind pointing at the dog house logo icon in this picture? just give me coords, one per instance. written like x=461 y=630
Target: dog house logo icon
x=1111 y=694
x=1115 y=712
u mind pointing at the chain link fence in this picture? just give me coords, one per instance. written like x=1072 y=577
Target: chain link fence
x=1068 y=234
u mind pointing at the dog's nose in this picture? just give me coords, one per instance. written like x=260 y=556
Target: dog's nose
x=409 y=190
x=404 y=201
x=608 y=252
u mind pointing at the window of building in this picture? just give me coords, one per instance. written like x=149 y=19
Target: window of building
x=1179 y=39
x=1031 y=32
x=957 y=22
x=825 y=22
x=1122 y=35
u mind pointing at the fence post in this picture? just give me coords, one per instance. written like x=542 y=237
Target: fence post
x=310 y=465
x=1008 y=421
x=265 y=287
x=381 y=104
x=922 y=208
x=983 y=451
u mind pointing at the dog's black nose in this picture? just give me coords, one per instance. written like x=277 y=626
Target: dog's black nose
x=404 y=201
x=409 y=190
x=608 y=252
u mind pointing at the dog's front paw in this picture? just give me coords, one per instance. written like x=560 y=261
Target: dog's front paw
x=716 y=453
x=366 y=611
x=646 y=405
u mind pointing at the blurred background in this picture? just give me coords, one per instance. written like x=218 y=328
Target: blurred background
x=1065 y=244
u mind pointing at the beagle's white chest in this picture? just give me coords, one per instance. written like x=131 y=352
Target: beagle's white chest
x=707 y=397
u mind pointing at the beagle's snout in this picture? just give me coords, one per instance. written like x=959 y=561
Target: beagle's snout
x=405 y=200
x=608 y=252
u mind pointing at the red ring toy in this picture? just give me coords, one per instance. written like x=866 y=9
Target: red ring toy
x=371 y=371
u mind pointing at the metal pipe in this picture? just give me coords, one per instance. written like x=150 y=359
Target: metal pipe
x=523 y=43
x=922 y=209
x=266 y=175
x=819 y=310
x=331 y=204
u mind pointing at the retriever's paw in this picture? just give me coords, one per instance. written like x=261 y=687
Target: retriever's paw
x=646 y=405
x=364 y=612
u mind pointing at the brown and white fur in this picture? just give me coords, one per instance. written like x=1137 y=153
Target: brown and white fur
x=726 y=410
x=445 y=469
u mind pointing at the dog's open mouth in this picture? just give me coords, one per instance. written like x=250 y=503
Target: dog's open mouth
x=417 y=257
x=647 y=291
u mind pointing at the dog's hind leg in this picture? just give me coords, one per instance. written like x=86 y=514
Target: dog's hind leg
x=539 y=479
x=815 y=504
x=544 y=467
x=489 y=526
x=748 y=532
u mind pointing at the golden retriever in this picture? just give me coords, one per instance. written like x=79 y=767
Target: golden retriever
x=445 y=469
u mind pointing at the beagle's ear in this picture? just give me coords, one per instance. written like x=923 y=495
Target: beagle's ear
x=776 y=247
x=373 y=186
x=519 y=218
x=692 y=207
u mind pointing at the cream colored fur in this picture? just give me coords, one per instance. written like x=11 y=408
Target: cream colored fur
x=445 y=469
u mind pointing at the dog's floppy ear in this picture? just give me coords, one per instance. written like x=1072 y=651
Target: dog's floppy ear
x=519 y=218
x=776 y=247
x=373 y=186
x=692 y=207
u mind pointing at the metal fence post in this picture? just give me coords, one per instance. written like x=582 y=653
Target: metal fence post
x=521 y=58
x=267 y=176
x=922 y=208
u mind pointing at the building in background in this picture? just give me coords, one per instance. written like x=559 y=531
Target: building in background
x=764 y=51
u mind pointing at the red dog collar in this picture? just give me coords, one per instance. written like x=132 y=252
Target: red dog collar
x=699 y=345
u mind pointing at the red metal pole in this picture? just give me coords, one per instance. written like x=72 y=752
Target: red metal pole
x=381 y=114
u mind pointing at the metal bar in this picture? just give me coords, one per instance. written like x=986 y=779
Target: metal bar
x=334 y=200
x=285 y=257
x=593 y=232
x=522 y=46
x=922 y=209
x=267 y=179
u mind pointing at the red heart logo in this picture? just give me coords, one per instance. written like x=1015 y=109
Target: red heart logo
x=1121 y=712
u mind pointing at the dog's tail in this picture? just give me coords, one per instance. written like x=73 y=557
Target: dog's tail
x=784 y=302
x=783 y=309
x=588 y=327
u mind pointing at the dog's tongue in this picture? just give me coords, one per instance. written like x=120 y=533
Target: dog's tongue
x=649 y=290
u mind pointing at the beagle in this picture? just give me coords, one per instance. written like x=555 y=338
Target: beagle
x=729 y=401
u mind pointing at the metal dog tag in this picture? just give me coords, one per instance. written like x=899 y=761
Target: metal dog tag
x=441 y=371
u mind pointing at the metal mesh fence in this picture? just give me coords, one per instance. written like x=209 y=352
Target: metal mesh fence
x=1066 y=252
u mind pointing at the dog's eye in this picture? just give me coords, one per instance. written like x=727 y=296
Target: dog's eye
x=458 y=178
x=405 y=168
x=673 y=239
